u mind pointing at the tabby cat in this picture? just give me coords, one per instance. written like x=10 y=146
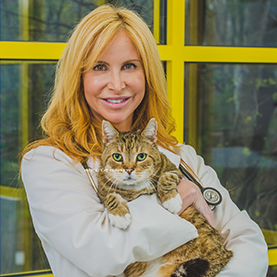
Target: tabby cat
x=132 y=166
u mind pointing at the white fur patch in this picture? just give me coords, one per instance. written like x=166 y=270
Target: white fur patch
x=174 y=204
x=121 y=222
x=134 y=186
x=153 y=269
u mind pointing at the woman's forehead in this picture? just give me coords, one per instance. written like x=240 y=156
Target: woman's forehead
x=105 y=44
x=120 y=48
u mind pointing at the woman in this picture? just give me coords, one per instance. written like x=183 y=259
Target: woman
x=111 y=70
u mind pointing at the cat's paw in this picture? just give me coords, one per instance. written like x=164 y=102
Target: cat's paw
x=174 y=204
x=121 y=222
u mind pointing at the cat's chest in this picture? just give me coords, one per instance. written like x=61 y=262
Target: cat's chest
x=132 y=194
x=127 y=192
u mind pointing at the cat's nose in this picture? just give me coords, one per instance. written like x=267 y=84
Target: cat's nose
x=129 y=170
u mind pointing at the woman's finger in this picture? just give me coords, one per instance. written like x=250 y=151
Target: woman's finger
x=191 y=195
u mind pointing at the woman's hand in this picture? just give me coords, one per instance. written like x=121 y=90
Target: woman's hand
x=191 y=195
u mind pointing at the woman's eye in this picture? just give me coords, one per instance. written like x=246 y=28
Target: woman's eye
x=141 y=156
x=117 y=157
x=99 y=67
x=129 y=66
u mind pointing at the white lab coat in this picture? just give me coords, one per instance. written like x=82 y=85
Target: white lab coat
x=79 y=241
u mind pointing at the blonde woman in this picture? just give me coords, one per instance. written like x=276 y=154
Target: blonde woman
x=111 y=70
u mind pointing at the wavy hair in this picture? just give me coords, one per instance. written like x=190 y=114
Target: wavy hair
x=68 y=123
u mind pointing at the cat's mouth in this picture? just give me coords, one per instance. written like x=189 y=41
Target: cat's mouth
x=129 y=179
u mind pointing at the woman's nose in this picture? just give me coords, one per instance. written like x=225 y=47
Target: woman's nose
x=116 y=82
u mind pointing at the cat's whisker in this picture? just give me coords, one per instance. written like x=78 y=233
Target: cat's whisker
x=113 y=184
x=147 y=186
x=152 y=181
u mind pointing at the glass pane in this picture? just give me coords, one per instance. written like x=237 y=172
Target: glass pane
x=162 y=21
x=231 y=22
x=53 y=20
x=24 y=89
x=9 y=20
x=237 y=133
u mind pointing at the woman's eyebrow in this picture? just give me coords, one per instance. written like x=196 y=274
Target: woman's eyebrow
x=128 y=61
x=133 y=60
x=101 y=62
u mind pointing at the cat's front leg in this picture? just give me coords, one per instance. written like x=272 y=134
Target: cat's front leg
x=118 y=211
x=167 y=191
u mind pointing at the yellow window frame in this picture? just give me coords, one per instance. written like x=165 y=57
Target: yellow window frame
x=175 y=53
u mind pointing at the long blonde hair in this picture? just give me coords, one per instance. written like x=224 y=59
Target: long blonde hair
x=68 y=122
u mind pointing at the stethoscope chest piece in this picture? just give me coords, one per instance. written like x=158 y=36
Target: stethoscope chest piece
x=212 y=196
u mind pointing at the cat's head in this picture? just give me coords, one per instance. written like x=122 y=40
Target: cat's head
x=130 y=158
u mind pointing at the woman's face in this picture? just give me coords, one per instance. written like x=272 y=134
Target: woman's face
x=115 y=85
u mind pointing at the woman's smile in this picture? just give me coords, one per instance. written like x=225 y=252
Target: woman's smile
x=117 y=103
x=115 y=86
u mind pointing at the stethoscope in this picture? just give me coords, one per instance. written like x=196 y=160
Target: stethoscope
x=211 y=195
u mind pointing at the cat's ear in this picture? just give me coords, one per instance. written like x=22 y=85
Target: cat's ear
x=109 y=133
x=150 y=131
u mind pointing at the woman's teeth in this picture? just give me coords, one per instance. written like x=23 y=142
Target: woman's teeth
x=115 y=101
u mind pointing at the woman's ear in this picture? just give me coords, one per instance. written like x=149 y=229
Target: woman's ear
x=150 y=131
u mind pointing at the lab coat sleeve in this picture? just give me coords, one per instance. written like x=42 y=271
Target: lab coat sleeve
x=69 y=218
x=242 y=235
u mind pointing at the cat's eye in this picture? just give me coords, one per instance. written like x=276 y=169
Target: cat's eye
x=141 y=156
x=117 y=157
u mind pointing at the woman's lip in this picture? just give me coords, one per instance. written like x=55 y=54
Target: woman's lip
x=114 y=102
